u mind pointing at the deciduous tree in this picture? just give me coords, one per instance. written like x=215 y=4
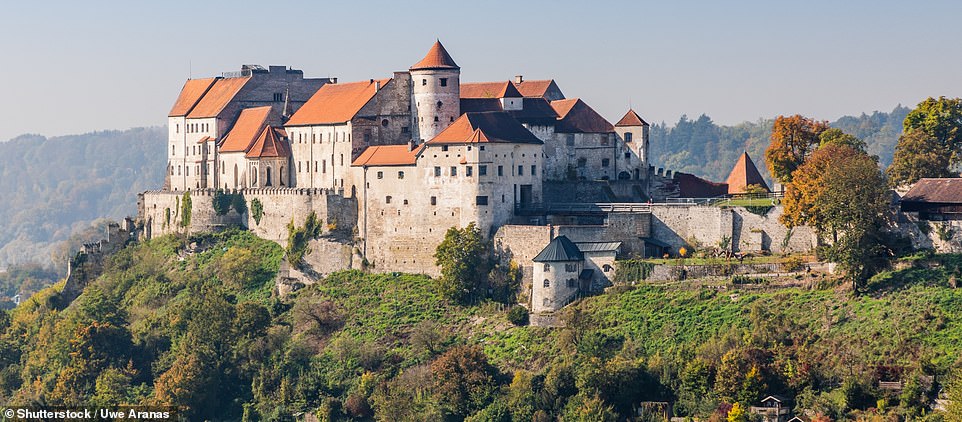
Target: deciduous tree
x=464 y=258
x=793 y=139
x=935 y=154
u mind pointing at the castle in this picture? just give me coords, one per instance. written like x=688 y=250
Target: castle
x=397 y=161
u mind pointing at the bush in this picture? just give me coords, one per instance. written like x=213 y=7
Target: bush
x=518 y=315
x=257 y=210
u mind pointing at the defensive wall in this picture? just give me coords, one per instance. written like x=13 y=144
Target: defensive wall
x=88 y=263
x=163 y=212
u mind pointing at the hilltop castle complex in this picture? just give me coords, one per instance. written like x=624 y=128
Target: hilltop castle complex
x=391 y=163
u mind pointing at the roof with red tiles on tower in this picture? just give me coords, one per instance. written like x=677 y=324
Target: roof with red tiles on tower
x=631 y=119
x=743 y=174
x=437 y=58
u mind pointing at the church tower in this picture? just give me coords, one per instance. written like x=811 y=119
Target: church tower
x=436 y=93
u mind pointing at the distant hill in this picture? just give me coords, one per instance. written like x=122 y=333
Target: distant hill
x=51 y=188
x=702 y=148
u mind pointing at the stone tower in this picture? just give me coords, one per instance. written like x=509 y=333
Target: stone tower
x=633 y=130
x=436 y=93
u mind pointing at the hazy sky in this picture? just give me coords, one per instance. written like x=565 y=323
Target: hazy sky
x=72 y=67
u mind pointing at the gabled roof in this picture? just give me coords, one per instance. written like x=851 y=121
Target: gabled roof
x=536 y=88
x=743 y=174
x=336 y=103
x=269 y=144
x=631 y=119
x=691 y=186
x=249 y=125
x=943 y=191
x=217 y=97
x=489 y=90
x=533 y=111
x=558 y=250
x=388 y=155
x=190 y=94
x=437 y=58
x=577 y=117
x=495 y=126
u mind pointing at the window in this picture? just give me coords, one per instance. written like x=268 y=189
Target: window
x=323 y=166
x=434 y=200
x=405 y=203
x=628 y=156
x=387 y=199
x=468 y=171
x=571 y=283
x=547 y=267
x=437 y=119
x=571 y=267
x=570 y=140
x=607 y=268
x=604 y=141
x=400 y=175
x=424 y=82
x=482 y=170
x=173 y=148
x=520 y=170
x=405 y=129
x=546 y=283
x=534 y=170
x=177 y=126
x=367 y=137
x=440 y=104
x=444 y=147
x=444 y=81
x=500 y=170
x=278 y=97
x=481 y=147
x=437 y=171
x=342 y=159
x=384 y=122
x=605 y=162
x=380 y=175
x=481 y=200
x=454 y=171
x=627 y=136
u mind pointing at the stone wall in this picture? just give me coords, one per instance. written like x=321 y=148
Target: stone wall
x=88 y=263
x=706 y=226
x=281 y=206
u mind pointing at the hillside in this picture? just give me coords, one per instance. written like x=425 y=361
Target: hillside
x=55 y=187
x=202 y=329
x=705 y=149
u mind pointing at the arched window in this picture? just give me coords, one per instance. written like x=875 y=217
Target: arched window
x=547 y=283
x=547 y=266
x=173 y=150
x=253 y=176
x=235 y=175
x=281 y=175
x=440 y=104
x=268 y=176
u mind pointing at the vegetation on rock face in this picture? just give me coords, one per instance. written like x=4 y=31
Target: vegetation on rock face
x=298 y=238
x=202 y=329
x=257 y=210
x=186 y=207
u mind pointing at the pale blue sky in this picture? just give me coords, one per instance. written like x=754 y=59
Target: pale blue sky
x=71 y=67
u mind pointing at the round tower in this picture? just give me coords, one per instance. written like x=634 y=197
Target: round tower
x=436 y=93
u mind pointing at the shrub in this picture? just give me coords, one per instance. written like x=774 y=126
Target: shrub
x=185 y=210
x=257 y=210
x=792 y=264
x=221 y=202
x=518 y=315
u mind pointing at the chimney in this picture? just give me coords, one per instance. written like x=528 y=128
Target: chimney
x=411 y=145
x=377 y=86
x=518 y=79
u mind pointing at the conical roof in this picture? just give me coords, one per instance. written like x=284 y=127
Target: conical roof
x=558 y=250
x=437 y=58
x=745 y=173
x=631 y=119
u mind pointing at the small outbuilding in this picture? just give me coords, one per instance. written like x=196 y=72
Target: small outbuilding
x=935 y=199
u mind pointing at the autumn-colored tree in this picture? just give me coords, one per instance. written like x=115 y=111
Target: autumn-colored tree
x=464 y=380
x=793 y=139
x=737 y=414
x=584 y=408
x=919 y=155
x=936 y=153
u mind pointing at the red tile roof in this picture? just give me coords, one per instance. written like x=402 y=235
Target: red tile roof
x=489 y=90
x=536 y=88
x=205 y=139
x=631 y=119
x=217 y=97
x=743 y=174
x=577 y=117
x=944 y=191
x=336 y=103
x=249 y=125
x=495 y=126
x=269 y=144
x=388 y=155
x=437 y=58
x=190 y=94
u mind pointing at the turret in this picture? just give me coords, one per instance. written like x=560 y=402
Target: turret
x=436 y=93
x=634 y=132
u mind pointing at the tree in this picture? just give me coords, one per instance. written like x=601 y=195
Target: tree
x=793 y=139
x=935 y=154
x=841 y=191
x=919 y=155
x=465 y=262
x=833 y=136
x=737 y=414
x=237 y=267
x=464 y=380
